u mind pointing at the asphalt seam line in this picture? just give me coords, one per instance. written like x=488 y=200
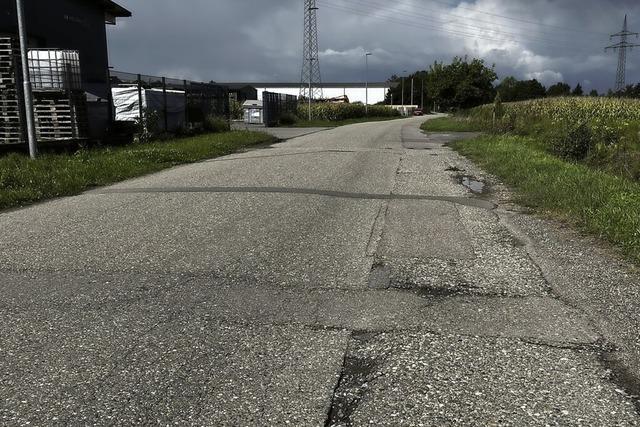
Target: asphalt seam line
x=466 y=201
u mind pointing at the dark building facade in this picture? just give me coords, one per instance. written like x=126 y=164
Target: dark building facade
x=69 y=24
x=72 y=25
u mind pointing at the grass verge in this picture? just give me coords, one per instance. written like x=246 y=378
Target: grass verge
x=24 y=181
x=603 y=204
x=449 y=124
x=329 y=123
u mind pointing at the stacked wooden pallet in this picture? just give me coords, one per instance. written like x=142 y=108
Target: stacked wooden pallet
x=11 y=131
x=60 y=115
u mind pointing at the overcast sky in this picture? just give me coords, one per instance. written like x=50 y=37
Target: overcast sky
x=261 y=40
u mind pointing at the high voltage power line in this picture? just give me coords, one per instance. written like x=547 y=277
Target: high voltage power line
x=510 y=18
x=622 y=48
x=423 y=17
x=414 y=13
x=462 y=34
x=310 y=80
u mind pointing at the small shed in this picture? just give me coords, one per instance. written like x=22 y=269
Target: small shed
x=253 y=112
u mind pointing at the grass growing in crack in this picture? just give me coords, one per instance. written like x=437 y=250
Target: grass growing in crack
x=599 y=202
x=449 y=124
x=24 y=181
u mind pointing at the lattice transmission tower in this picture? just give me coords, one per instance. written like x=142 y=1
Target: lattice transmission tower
x=310 y=81
x=622 y=48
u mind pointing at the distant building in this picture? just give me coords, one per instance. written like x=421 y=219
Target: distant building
x=355 y=92
x=77 y=25
x=242 y=92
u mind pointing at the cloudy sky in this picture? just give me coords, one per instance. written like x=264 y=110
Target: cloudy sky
x=261 y=40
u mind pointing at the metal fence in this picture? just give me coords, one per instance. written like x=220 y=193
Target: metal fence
x=54 y=69
x=202 y=100
x=276 y=106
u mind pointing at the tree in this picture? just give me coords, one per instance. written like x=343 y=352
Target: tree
x=511 y=89
x=461 y=84
x=508 y=89
x=559 y=89
x=578 y=90
x=594 y=93
x=630 y=91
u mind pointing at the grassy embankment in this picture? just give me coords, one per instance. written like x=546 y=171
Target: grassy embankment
x=24 y=181
x=450 y=124
x=576 y=159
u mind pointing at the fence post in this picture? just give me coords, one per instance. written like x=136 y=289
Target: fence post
x=140 y=107
x=164 y=99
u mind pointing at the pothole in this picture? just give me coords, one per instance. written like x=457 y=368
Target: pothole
x=357 y=373
x=473 y=184
x=622 y=376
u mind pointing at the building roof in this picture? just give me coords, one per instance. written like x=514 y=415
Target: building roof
x=113 y=8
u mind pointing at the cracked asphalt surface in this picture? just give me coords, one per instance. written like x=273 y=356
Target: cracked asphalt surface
x=342 y=278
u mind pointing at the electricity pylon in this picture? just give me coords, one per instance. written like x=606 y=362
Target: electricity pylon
x=622 y=47
x=310 y=81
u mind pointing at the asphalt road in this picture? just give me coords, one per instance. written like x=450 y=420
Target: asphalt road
x=345 y=277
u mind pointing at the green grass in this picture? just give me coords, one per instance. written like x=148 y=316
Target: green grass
x=329 y=123
x=24 y=181
x=600 y=203
x=449 y=124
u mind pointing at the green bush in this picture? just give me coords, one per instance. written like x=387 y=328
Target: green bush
x=288 y=119
x=338 y=112
x=574 y=143
x=216 y=124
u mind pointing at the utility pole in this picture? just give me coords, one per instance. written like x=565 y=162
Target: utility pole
x=366 y=90
x=622 y=47
x=310 y=80
x=26 y=81
x=412 y=91
x=422 y=96
x=403 y=73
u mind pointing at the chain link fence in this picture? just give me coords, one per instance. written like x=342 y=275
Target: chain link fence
x=277 y=106
x=200 y=101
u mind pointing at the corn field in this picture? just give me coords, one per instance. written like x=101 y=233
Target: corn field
x=337 y=112
x=603 y=132
x=594 y=111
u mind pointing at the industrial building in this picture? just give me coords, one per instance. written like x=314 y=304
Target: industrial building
x=355 y=92
x=69 y=62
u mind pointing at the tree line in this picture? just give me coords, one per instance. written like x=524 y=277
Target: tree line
x=467 y=83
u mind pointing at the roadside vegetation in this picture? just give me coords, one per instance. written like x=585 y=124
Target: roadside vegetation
x=24 y=181
x=450 y=124
x=574 y=157
x=336 y=123
x=333 y=115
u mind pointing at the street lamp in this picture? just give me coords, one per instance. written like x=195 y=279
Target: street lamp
x=310 y=89
x=366 y=90
x=26 y=81
x=403 y=74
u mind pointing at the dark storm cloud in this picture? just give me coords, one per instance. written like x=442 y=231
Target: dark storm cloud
x=259 y=40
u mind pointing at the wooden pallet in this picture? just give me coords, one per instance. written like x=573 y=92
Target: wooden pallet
x=60 y=116
x=11 y=130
